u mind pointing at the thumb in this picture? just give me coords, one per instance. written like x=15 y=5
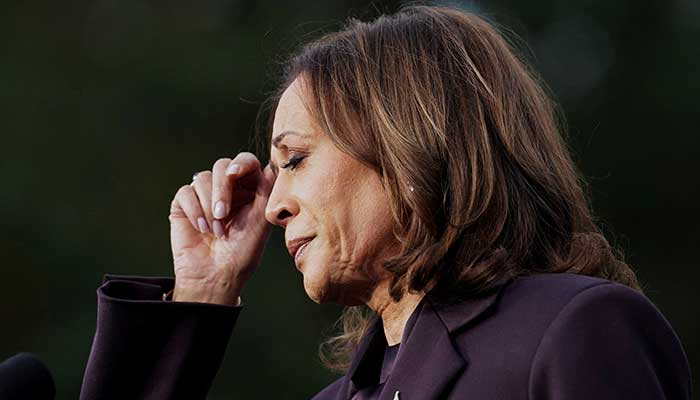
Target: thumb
x=181 y=228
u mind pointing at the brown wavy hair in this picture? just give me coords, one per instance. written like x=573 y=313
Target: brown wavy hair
x=436 y=98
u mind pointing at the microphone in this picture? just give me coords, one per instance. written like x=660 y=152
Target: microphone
x=23 y=376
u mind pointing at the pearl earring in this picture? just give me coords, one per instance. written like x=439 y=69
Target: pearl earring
x=410 y=188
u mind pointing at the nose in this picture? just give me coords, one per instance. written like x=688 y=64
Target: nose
x=281 y=206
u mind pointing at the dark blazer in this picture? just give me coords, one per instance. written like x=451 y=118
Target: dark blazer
x=549 y=336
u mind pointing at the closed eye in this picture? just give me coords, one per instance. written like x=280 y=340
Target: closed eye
x=293 y=162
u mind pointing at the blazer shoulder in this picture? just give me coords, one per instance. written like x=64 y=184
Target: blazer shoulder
x=537 y=298
x=612 y=328
x=562 y=285
x=544 y=327
x=547 y=293
x=526 y=305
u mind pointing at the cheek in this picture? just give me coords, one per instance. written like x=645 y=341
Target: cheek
x=326 y=202
x=348 y=209
x=370 y=219
x=373 y=233
x=363 y=227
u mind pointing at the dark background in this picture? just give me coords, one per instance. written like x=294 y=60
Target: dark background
x=107 y=107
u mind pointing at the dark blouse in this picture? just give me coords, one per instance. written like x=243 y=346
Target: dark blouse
x=373 y=392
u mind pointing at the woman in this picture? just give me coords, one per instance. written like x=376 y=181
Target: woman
x=417 y=169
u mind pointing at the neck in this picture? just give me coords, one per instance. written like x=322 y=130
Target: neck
x=394 y=315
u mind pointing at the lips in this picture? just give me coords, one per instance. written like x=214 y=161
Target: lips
x=294 y=245
x=300 y=252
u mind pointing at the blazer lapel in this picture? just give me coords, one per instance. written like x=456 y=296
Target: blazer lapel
x=373 y=341
x=427 y=361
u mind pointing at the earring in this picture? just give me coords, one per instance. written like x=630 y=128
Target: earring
x=410 y=188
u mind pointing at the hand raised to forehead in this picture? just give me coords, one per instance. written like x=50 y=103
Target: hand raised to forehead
x=218 y=229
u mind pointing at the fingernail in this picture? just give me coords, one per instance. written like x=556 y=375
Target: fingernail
x=203 y=226
x=219 y=210
x=233 y=169
x=218 y=228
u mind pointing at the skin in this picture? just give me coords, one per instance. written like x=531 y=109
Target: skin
x=327 y=195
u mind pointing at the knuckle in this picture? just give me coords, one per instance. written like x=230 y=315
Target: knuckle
x=221 y=163
x=204 y=175
x=247 y=157
x=182 y=190
x=247 y=154
x=219 y=191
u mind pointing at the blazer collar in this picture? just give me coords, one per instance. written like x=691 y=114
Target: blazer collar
x=427 y=360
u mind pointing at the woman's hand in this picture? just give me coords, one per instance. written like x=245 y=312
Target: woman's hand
x=218 y=229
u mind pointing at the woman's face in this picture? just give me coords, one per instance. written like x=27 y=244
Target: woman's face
x=324 y=194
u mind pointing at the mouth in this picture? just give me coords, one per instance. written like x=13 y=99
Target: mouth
x=300 y=251
x=293 y=246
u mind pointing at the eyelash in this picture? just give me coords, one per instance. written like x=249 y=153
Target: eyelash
x=293 y=162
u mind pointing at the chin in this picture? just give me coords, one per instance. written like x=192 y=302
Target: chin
x=321 y=291
x=314 y=292
x=315 y=283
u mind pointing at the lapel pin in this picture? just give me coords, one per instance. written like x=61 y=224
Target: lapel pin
x=396 y=395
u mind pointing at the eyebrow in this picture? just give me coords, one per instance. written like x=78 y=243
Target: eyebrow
x=276 y=144
x=276 y=141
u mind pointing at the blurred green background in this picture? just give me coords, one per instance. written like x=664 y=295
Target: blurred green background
x=108 y=106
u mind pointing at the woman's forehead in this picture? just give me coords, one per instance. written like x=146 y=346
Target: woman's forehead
x=292 y=119
x=291 y=115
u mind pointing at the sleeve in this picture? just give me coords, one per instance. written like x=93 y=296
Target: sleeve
x=147 y=348
x=610 y=342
